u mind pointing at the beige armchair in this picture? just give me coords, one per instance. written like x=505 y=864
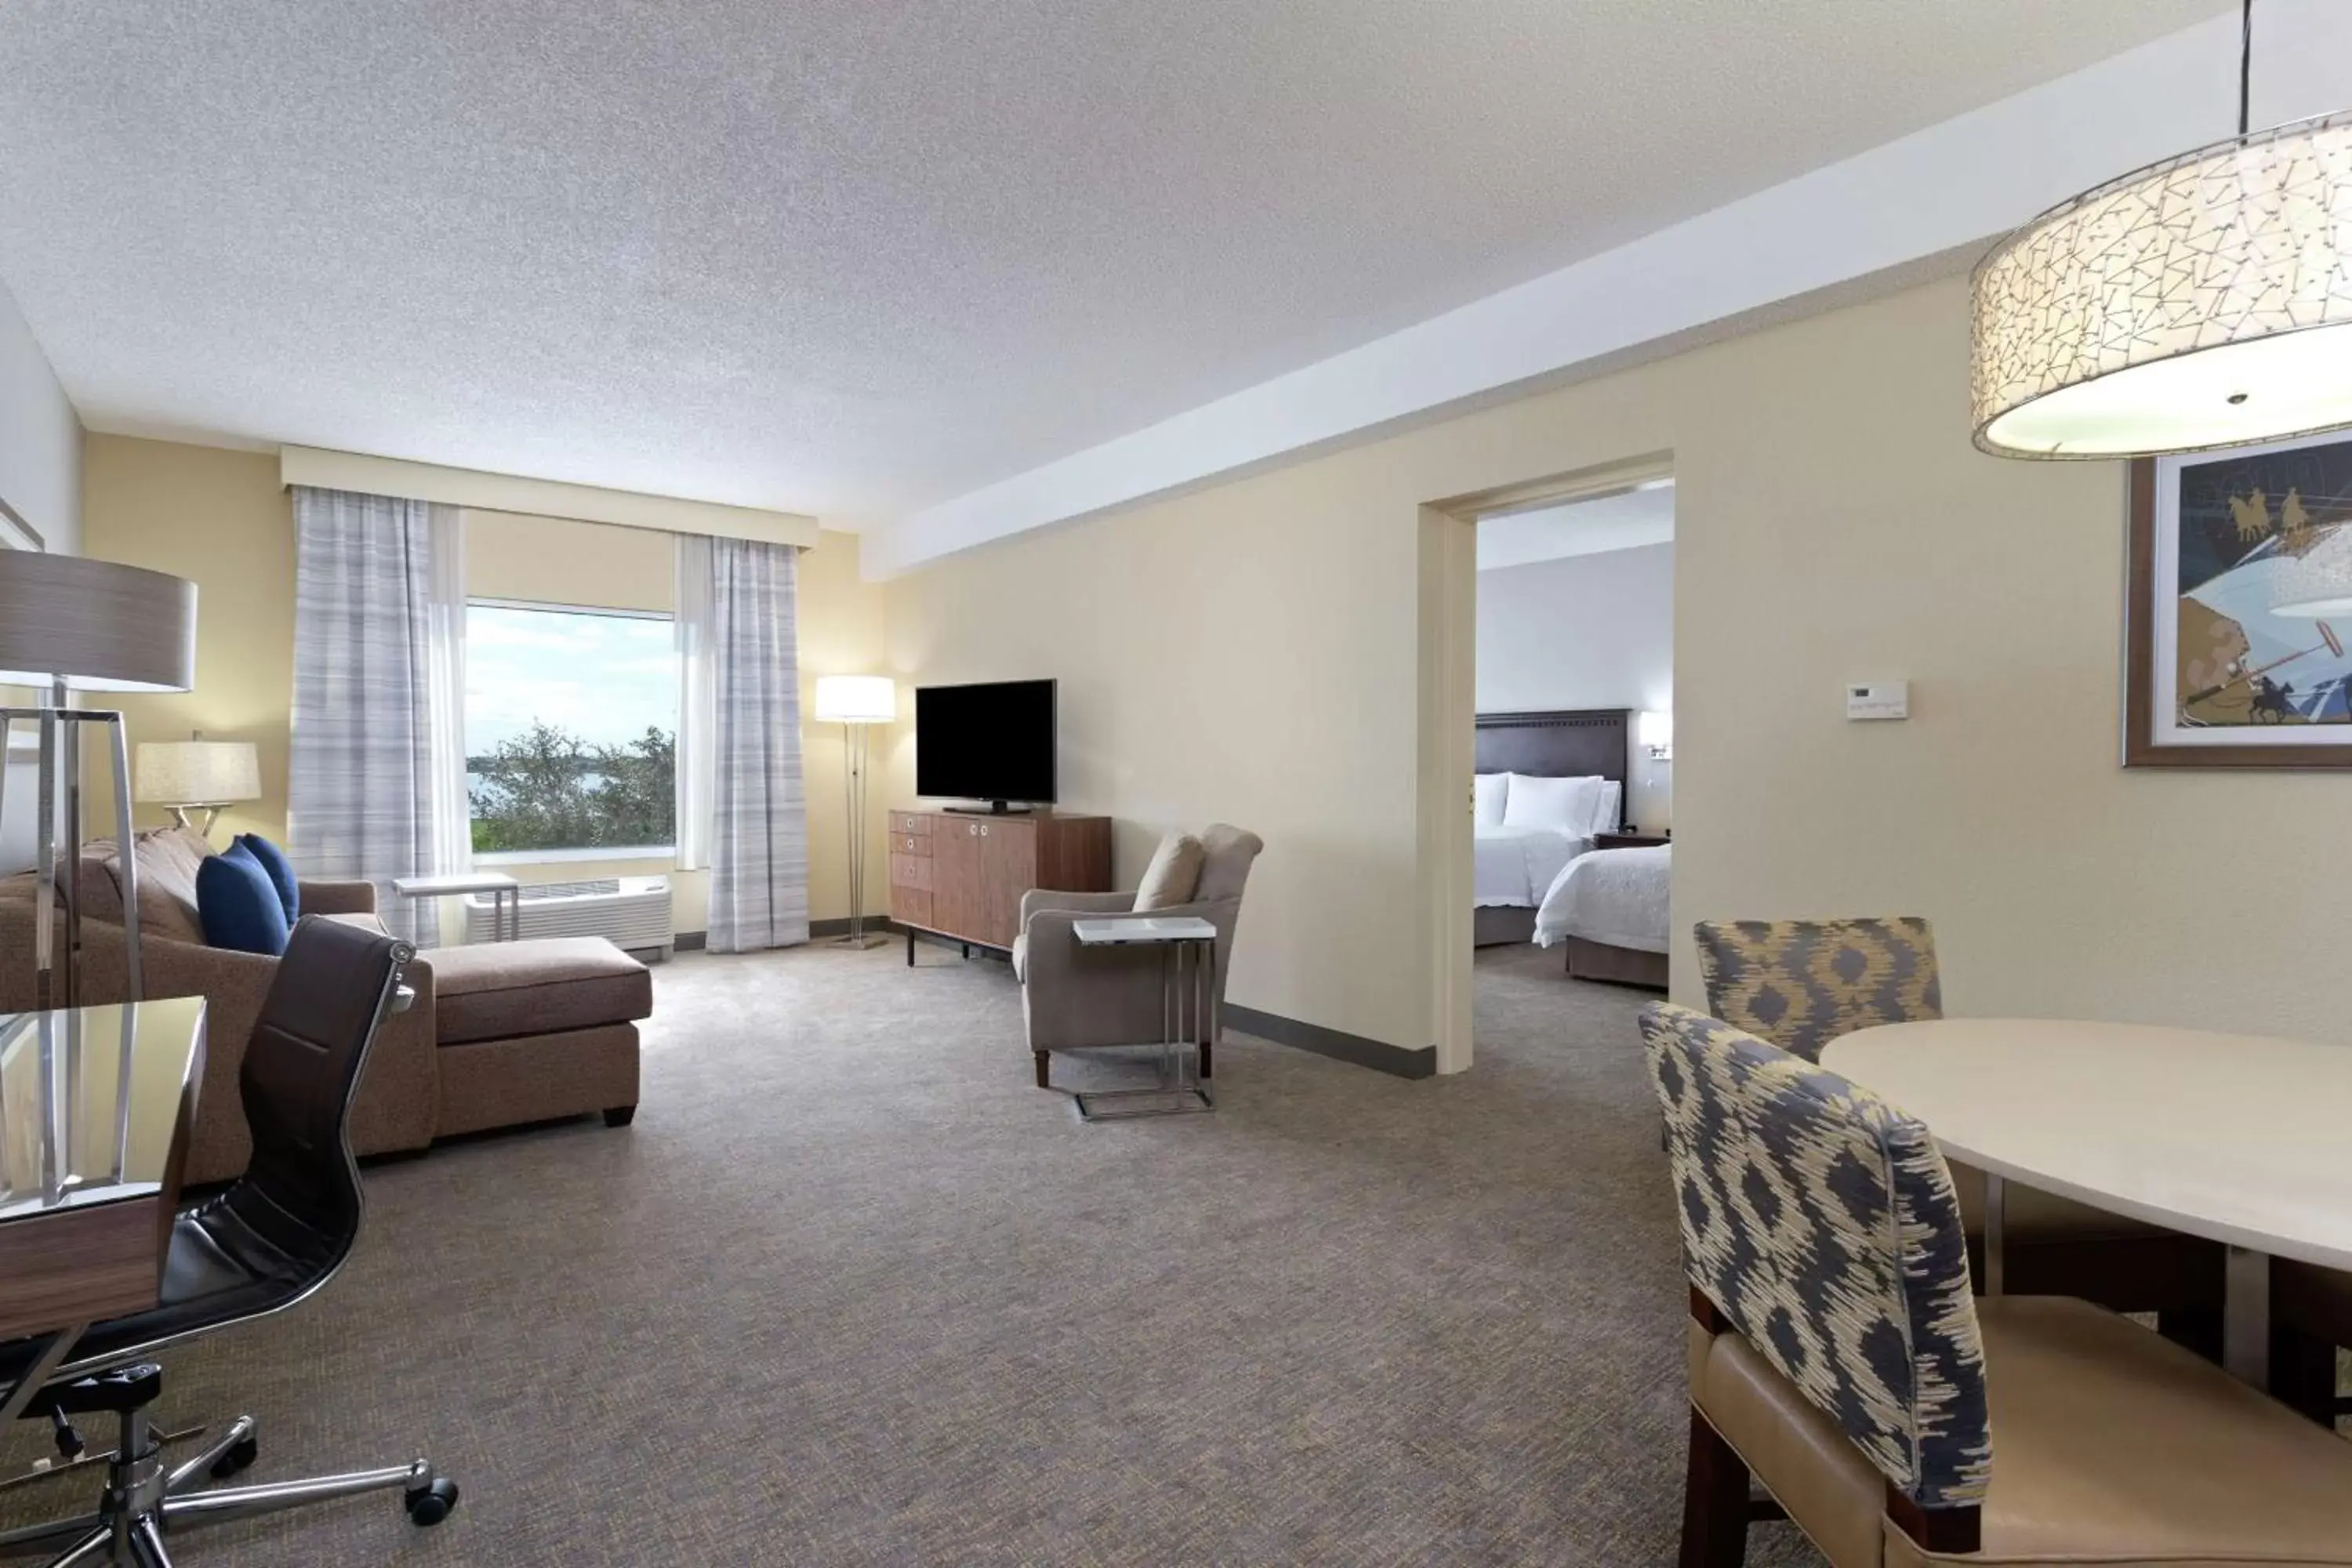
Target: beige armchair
x=1077 y=998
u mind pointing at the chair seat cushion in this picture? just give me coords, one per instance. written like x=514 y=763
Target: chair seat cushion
x=504 y=990
x=2111 y=1445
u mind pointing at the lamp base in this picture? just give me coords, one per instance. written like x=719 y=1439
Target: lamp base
x=179 y=815
x=861 y=942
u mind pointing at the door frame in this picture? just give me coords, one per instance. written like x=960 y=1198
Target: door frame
x=1448 y=702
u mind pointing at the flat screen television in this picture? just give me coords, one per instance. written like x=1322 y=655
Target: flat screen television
x=991 y=741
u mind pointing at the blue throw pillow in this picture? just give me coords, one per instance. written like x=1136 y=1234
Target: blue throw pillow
x=238 y=905
x=280 y=869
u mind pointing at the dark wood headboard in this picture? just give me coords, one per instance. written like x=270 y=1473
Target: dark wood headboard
x=1569 y=743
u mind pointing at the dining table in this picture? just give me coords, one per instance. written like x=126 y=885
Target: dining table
x=96 y=1105
x=2237 y=1138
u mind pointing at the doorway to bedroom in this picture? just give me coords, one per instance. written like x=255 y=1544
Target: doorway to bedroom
x=1573 y=777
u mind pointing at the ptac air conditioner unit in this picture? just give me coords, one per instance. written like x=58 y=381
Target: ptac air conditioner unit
x=631 y=912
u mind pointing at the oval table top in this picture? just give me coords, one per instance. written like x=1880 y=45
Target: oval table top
x=2238 y=1138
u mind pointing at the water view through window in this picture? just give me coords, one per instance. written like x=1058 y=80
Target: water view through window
x=570 y=729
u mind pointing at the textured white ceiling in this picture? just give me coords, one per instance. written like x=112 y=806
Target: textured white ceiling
x=854 y=256
x=1626 y=520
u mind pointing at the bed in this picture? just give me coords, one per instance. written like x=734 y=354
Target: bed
x=1608 y=909
x=1515 y=864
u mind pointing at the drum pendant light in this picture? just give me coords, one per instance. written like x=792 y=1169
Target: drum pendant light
x=2198 y=302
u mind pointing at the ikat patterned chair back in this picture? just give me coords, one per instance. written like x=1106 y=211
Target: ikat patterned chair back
x=1822 y=1222
x=1802 y=984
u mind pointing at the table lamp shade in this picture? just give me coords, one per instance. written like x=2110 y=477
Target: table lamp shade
x=197 y=773
x=856 y=699
x=95 y=625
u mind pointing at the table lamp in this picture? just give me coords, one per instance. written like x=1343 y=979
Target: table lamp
x=197 y=775
x=65 y=621
x=856 y=703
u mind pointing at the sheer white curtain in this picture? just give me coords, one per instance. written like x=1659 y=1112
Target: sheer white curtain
x=758 y=811
x=449 y=813
x=378 y=720
x=698 y=698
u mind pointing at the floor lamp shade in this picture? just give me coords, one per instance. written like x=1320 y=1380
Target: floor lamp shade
x=94 y=625
x=68 y=621
x=856 y=699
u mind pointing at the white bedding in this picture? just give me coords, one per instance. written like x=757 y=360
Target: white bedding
x=1612 y=896
x=1513 y=865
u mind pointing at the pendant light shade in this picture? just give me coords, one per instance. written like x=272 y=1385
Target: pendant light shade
x=2200 y=302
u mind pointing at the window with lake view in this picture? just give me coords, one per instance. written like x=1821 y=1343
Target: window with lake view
x=570 y=729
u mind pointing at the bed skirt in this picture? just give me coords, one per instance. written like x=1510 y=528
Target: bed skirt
x=1492 y=925
x=1617 y=965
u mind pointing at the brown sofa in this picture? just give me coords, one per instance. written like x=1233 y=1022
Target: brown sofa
x=498 y=1036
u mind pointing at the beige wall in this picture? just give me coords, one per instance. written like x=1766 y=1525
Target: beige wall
x=1248 y=653
x=221 y=519
x=1244 y=656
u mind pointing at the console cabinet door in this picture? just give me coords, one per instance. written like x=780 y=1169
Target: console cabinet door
x=1008 y=869
x=956 y=879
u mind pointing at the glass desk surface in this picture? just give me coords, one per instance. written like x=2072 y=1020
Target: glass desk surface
x=91 y=1100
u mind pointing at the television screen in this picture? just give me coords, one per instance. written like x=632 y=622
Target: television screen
x=992 y=741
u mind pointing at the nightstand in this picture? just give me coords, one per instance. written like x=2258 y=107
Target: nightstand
x=1630 y=840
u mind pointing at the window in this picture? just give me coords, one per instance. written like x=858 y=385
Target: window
x=571 y=728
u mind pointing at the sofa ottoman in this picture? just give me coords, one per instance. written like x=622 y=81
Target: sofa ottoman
x=530 y=1031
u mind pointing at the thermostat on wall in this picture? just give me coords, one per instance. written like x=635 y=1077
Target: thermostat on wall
x=1880 y=700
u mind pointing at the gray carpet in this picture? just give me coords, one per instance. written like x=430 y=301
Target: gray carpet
x=852 y=1291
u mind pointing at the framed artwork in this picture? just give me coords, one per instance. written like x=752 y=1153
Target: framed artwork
x=2238 y=628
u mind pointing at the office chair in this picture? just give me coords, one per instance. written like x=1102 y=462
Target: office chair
x=271 y=1240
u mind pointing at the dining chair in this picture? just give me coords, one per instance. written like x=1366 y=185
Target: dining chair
x=1839 y=1357
x=1803 y=983
x=267 y=1243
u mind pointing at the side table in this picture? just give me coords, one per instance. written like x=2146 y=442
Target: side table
x=506 y=896
x=1188 y=1014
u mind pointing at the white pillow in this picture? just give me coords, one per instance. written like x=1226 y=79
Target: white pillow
x=1491 y=790
x=1561 y=806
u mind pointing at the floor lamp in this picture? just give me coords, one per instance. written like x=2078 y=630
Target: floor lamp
x=66 y=622
x=856 y=703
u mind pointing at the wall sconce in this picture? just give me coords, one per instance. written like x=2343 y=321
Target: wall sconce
x=1656 y=731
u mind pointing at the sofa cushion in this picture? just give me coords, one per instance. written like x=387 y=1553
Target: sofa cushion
x=281 y=871
x=167 y=859
x=503 y=990
x=1175 y=872
x=239 y=905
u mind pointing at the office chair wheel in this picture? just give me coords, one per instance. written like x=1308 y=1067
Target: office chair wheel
x=240 y=1457
x=431 y=1504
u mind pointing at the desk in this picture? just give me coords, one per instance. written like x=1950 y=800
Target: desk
x=96 y=1105
x=2235 y=1137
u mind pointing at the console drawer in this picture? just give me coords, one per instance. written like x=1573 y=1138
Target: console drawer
x=910 y=906
x=910 y=871
x=906 y=823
